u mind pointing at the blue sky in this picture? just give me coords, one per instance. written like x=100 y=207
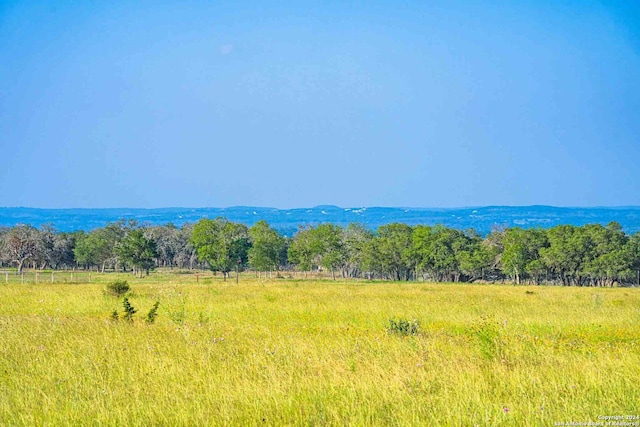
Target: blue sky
x=383 y=103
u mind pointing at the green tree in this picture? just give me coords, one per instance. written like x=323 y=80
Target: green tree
x=632 y=254
x=390 y=251
x=327 y=244
x=371 y=259
x=475 y=257
x=356 y=238
x=221 y=244
x=100 y=246
x=609 y=261
x=267 y=249
x=95 y=248
x=301 y=251
x=186 y=256
x=570 y=249
x=440 y=250
x=168 y=243
x=139 y=251
x=521 y=254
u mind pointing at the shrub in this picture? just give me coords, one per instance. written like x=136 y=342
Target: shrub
x=178 y=316
x=404 y=327
x=118 y=288
x=114 y=315
x=153 y=313
x=490 y=339
x=129 y=311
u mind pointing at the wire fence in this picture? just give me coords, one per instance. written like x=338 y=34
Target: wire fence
x=37 y=277
x=43 y=277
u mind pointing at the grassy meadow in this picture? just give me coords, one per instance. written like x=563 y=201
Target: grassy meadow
x=316 y=352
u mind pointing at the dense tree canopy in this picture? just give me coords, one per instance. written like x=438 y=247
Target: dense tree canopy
x=589 y=255
x=268 y=248
x=138 y=251
x=222 y=244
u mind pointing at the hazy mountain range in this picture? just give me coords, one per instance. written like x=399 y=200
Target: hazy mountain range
x=483 y=219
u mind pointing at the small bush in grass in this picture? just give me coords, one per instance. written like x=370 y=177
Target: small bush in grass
x=129 y=311
x=114 y=315
x=403 y=327
x=118 y=288
x=178 y=316
x=490 y=339
x=153 y=313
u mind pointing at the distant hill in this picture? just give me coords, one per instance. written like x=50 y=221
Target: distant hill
x=483 y=219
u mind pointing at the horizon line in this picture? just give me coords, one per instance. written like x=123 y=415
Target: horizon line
x=328 y=206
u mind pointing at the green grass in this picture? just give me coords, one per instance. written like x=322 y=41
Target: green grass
x=316 y=353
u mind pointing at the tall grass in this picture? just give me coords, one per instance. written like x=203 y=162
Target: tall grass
x=316 y=353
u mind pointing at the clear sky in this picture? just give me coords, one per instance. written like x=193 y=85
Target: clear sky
x=296 y=104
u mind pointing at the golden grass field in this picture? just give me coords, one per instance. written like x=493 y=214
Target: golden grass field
x=296 y=352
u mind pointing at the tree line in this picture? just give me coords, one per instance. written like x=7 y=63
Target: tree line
x=589 y=255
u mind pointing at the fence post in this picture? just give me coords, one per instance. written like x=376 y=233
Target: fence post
x=36 y=277
x=52 y=277
x=22 y=278
x=72 y=277
x=6 y=277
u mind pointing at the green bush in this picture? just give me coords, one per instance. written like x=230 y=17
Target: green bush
x=490 y=340
x=118 y=288
x=153 y=313
x=129 y=311
x=404 y=327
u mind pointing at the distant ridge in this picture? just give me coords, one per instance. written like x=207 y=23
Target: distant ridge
x=483 y=219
